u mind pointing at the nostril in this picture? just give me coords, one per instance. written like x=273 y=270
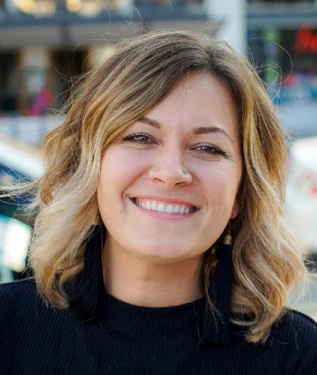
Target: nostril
x=170 y=171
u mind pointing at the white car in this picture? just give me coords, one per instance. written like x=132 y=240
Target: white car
x=15 y=237
x=301 y=196
x=17 y=161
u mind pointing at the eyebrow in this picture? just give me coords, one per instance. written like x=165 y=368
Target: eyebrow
x=200 y=130
x=151 y=122
x=211 y=129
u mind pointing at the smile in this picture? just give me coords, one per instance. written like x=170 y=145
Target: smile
x=159 y=206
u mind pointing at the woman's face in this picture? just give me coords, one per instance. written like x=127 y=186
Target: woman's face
x=168 y=184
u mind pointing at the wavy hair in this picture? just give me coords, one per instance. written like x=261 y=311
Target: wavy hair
x=113 y=96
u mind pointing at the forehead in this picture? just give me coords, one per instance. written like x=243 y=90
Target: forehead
x=197 y=99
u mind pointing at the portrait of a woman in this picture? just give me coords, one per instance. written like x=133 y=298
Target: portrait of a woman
x=160 y=244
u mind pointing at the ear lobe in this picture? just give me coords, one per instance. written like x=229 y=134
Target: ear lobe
x=235 y=210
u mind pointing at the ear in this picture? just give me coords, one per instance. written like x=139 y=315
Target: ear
x=235 y=210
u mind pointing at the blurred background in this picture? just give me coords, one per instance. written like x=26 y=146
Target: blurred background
x=44 y=44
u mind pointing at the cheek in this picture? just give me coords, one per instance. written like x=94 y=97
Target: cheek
x=108 y=183
x=123 y=166
x=221 y=184
x=119 y=170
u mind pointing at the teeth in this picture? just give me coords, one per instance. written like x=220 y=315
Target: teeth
x=169 y=208
x=161 y=207
x=164 y=207
x=175 y=209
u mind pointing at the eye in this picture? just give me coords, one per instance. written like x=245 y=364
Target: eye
x=141 y=138
x=210 y=150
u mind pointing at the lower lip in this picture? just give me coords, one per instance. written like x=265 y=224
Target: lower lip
x=165 y=215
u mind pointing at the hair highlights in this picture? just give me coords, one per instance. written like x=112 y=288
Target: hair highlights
x=113 y=96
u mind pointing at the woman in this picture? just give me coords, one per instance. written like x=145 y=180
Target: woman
x=169 y=149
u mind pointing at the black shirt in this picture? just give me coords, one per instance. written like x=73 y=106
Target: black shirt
x=128 y=339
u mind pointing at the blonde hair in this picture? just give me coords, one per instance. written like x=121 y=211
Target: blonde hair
x=116 y=94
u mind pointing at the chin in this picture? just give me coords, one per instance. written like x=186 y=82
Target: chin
x=159 y=251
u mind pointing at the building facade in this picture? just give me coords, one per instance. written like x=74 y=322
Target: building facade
x=43 y=43
x=282 y=40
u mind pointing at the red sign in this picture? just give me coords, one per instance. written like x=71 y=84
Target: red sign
x=306 y=41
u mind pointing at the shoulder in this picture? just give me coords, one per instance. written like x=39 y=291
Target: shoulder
x=24 y=316
x=16 y=293
x=7 y=290
x=291 y=347
x=294 y=337
x=21 y=306
x=18 y=299
x=32 y=333
x=296 y=327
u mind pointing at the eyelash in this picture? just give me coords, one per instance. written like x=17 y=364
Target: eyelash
x=142 y=138
x=212 y=150
x=133 y=138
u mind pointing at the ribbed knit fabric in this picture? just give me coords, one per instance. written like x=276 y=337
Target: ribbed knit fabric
x=137 y=340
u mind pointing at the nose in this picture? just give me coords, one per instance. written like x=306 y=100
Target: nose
x=169 y=168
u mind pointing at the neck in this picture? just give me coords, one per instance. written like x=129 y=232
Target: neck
x=144 y=282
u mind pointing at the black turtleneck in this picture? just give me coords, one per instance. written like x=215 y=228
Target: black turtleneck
x=127 y=339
